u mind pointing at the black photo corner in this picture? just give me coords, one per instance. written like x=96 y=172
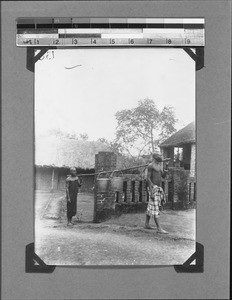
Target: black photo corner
x=34 y=264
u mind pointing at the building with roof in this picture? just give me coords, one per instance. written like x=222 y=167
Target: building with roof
x=55 y=155
x=181 y=148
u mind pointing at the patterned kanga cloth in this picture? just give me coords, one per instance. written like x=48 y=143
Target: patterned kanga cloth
x=156 y=198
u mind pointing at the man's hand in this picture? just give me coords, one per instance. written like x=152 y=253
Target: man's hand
x=68 y=199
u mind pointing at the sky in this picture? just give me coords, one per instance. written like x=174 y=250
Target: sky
x=80 y=90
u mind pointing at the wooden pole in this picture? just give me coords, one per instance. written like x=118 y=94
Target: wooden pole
x=127 y=169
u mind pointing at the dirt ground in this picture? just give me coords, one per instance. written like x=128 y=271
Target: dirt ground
x=119 y=241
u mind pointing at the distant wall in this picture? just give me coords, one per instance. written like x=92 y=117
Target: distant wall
x=44 y=175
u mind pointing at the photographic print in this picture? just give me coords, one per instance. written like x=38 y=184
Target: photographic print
x=115 y=156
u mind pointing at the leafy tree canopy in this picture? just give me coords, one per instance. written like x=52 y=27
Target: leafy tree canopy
x=140 y=130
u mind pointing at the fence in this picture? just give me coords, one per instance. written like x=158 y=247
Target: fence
x=135 y=190
x=133 y=196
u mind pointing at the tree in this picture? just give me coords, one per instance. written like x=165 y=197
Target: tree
x=141 y=129
x=84 y=136
x=69 y=135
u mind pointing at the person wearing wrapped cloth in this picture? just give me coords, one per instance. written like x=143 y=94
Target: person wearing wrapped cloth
x=73 y=183
x=155 y=172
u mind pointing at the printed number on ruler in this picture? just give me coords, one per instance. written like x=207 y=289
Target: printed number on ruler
x=74 y=41
x=36 y=41
x=56 y=42
x=27 y=42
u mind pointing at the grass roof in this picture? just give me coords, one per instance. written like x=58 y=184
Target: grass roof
x=185 y=135
x=65 y=152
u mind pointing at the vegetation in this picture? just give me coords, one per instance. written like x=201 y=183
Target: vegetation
x=141 y=129
x=68 y=135
x=139 y=132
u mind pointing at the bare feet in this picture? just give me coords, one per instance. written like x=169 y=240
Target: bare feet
x=162 y=231
x=148 y=227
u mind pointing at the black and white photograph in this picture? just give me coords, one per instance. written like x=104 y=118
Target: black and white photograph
x=115 y=149
x=115 y=156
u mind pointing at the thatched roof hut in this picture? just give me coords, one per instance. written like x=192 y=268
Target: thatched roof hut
x=182 y=137
x=55 y=155
x=51 y=151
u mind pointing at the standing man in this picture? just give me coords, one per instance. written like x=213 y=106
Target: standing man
x=156 y=194
x=73 y=184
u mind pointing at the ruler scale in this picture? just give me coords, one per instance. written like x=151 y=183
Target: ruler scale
x=91 y=32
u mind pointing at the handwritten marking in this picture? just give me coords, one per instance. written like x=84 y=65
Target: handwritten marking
x=69 y=68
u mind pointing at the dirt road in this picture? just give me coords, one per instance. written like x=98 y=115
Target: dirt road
x=119 y=241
